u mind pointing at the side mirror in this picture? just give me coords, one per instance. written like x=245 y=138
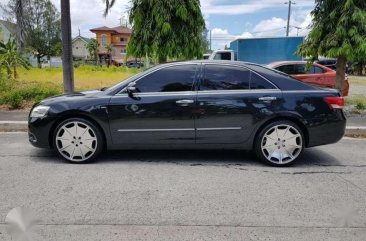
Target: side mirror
x=131 y=89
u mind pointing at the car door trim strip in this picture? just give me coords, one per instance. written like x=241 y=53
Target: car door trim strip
x=181 y=129
x=153 y=130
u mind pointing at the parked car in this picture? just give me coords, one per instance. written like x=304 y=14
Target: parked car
x=317 y=75
x=195 y=104
x=135 y=64
x=330 y=63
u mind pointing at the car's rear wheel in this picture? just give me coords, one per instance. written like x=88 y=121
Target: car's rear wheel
x=280 y=143
x=78 y=140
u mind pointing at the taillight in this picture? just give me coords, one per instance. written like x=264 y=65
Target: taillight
x=334 y=102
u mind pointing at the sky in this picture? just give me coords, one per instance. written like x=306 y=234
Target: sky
x=227 y=20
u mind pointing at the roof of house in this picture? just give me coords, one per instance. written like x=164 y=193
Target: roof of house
x=119 y=29
x=87 y=40
x=11 y=27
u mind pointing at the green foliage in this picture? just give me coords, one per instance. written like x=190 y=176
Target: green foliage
x=22 y=92
x=92 y=47
x=10 y=58
x=14 y=99
x=360 y=106
x=42 y=26
x=338 y=31
x=166 y=29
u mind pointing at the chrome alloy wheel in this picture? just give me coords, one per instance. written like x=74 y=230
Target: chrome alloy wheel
x=76 y=141
x=281 y=144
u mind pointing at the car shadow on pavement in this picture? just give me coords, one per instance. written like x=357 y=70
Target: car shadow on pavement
x=310 y=157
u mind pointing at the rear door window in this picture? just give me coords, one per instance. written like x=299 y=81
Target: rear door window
x=218 y=77
x=257 y=82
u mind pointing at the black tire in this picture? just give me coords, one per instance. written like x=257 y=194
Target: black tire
x=264 y=155
x=93 y=140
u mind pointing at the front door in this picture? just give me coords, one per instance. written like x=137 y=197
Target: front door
x=160 y=112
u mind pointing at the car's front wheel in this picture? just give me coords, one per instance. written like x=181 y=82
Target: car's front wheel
x=78 y=140
x=280 y=143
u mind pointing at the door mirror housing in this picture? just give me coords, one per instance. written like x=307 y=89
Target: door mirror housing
x=131 y=89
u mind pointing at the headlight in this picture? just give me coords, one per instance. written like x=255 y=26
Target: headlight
x=39 y=111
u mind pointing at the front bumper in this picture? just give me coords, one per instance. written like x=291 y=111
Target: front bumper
x=40 y=131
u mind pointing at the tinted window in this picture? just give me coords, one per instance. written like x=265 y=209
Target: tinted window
x=225 y=78
x=288 y=69
x=300 y=69
x=222 y=56
x=318 y=70
x=175 y=78
x=257 y=82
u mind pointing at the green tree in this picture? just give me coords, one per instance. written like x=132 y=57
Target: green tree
x=165 y=29
x=92 y=47
x=338 y=31
x=109 y=54
x=41 y=24
x=10 y=58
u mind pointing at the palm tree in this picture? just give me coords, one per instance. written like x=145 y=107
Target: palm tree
x=20 y=24
x=108 y=5
x=67 y=62
x=10 y=58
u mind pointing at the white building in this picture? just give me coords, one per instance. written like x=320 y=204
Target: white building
x=79 y=49
x=7 y=30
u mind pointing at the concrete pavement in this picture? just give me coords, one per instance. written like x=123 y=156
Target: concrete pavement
x=187 y=195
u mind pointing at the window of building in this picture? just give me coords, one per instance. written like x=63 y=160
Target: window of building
x=103 y=40
x=123 y=39
x=123 y=51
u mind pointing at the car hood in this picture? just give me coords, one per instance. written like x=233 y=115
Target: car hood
x=72 y=96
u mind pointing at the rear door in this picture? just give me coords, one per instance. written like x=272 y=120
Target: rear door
x=230 y=101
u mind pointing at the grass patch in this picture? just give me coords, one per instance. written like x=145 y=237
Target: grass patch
x=357 y=80
x=86 y=77
x=357 y=102
x=36 y=84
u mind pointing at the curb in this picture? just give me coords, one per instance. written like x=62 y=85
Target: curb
x=22 y=126
x=13 y=126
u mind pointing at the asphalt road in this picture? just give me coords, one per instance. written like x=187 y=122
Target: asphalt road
x=187 y=195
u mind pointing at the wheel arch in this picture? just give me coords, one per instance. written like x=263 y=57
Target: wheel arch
x=75 y=115
x=293 y=119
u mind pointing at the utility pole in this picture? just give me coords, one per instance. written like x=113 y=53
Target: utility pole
x=67 y=63
x=288 y=16
x=210 y=40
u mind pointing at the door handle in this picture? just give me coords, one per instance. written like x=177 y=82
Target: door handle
x=267 y=98
x=184 y=102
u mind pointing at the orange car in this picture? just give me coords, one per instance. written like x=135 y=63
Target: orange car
x=317 y=75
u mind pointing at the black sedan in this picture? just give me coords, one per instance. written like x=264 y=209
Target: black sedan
x=195 y=104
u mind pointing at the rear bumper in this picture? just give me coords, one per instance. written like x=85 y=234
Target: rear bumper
x=327 y=131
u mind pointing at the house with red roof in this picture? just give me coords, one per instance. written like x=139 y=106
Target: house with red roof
x=117 y=38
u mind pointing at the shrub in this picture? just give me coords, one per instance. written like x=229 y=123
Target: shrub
x=360 y=106
x=14 y=99
x=28 y=92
